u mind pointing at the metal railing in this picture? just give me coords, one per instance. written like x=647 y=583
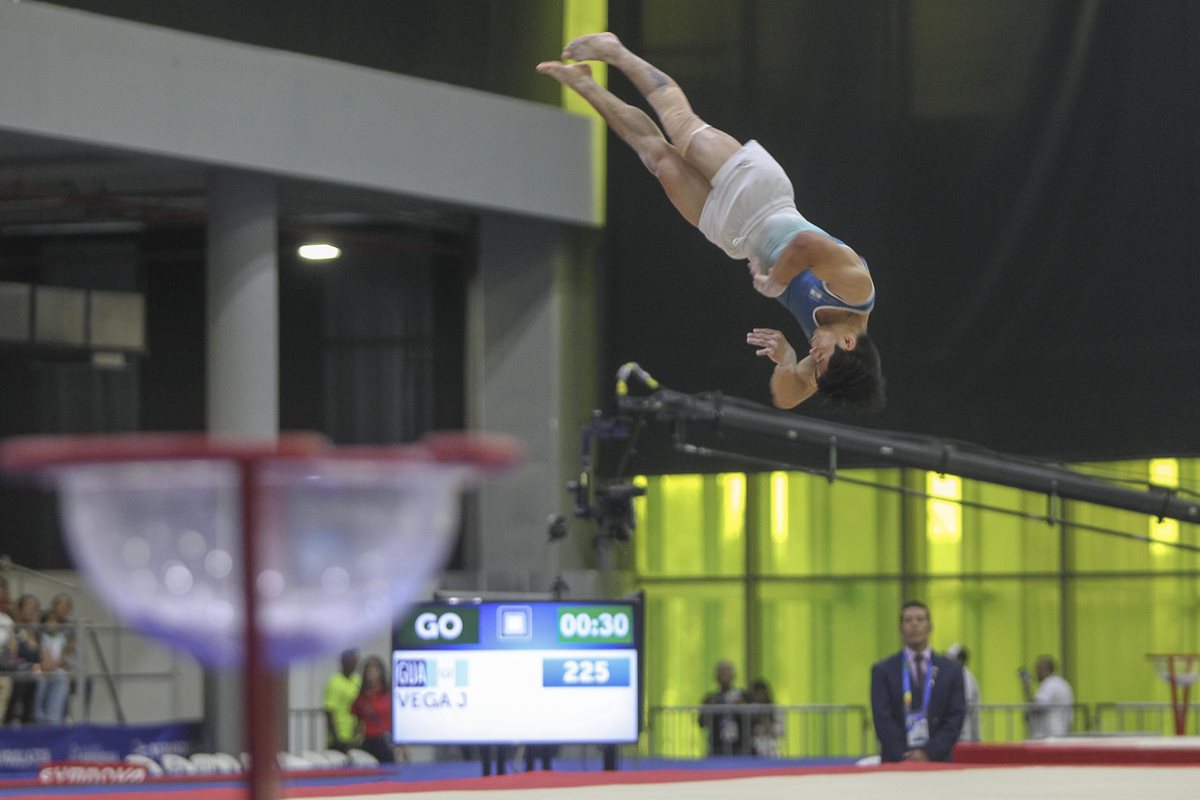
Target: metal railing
x=802 y=731
x=830 y=731
x=1010 y=722
x=96 y=664
x=1148 y=719
x=96 y=667
x=815 y=731
x=305 y=729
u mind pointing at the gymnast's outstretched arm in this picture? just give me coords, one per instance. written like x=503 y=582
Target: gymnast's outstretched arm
x=793 y=381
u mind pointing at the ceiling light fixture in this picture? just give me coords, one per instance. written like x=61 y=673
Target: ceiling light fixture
x=319 y=252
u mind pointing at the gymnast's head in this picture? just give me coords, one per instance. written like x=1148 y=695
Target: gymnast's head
x=851 y=376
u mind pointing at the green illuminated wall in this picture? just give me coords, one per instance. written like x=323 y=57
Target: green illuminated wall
x=800 y=581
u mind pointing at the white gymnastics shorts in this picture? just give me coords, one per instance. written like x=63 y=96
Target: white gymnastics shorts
x=747 y=189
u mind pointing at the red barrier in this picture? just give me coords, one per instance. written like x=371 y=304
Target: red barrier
x=1116 y=752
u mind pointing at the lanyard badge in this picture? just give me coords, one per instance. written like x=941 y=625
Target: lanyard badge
x=916 y=722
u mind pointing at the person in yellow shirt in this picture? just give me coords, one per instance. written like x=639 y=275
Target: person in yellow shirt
x=341 y=690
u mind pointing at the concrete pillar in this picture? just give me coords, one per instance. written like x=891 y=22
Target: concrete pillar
x=514 y=375
x=243 y=363
x=243 y=305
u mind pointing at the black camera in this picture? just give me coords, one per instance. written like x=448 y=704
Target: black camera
x=614 y=509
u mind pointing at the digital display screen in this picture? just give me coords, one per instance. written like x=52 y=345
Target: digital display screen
x=534 y=672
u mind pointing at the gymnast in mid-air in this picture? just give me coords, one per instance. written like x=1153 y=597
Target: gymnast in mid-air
x=743 y=202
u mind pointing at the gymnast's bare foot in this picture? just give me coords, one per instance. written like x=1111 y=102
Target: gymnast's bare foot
x=567 y=74
x=593 y=47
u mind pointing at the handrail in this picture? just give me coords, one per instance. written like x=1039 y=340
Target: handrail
x=1162 y=712
x=769 y=730
x=6 y=564
x=106 y=674
x=83 y=631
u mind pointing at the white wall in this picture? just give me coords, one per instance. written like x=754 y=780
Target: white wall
x=88 y=78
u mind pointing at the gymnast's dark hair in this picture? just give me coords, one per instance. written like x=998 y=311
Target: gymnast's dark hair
x=853 y=378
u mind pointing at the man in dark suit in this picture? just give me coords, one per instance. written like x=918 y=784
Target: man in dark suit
x=917 y=696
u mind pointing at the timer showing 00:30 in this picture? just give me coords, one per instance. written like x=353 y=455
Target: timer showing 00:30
x=595 y=624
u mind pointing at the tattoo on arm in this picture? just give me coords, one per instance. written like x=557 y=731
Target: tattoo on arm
x=657 y=77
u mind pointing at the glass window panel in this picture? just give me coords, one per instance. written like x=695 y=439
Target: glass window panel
x=820 y=637
x=689 y=628
x=117 y=319
x=998 y=542
x=59 y=314
x=1094 y=551
x=1003 y=622
x=692 y=525
x=988 y=540
x=806 y=525
x=1118 y=621
x=944 y=522
x=14 y=311
x=826 y=560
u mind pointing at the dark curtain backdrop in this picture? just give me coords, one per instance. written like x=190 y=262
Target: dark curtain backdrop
x=1021 y=175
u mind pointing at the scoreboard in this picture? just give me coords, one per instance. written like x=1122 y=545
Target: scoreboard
x=534 y=672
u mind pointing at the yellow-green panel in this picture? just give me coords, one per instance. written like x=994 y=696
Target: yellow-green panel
x=989 y=540
x=809 y=526
x=1118 y=621
x=995 y=582
x=1003 y=622
x=820 y=637
x=581 y=17
x=689 y=628
x=692 y=526
x=1096 y=552
x=943 y=529
x=997 y=542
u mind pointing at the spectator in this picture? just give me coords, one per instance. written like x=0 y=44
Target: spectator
x=726 y=728
x=6 y=605
x=8 y=646
x=373 y=708
x=1052 y=706
x=494 y=758
x=970 y=730
x=766 y=722
x=917 y=698
x=341 y=690
x=28 y=660
x=57 y=644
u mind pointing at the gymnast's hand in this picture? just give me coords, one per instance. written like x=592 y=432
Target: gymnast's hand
x=772 y=344
x=762 y=281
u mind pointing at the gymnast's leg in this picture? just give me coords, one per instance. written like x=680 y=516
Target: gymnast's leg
x=704 y=147
x=686 y=187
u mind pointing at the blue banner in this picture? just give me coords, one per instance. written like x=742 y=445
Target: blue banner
x=25 y=749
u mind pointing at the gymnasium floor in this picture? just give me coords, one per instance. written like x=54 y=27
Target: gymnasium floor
x=892 y=782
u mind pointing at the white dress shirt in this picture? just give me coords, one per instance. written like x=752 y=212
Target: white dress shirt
x=1052 y=713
